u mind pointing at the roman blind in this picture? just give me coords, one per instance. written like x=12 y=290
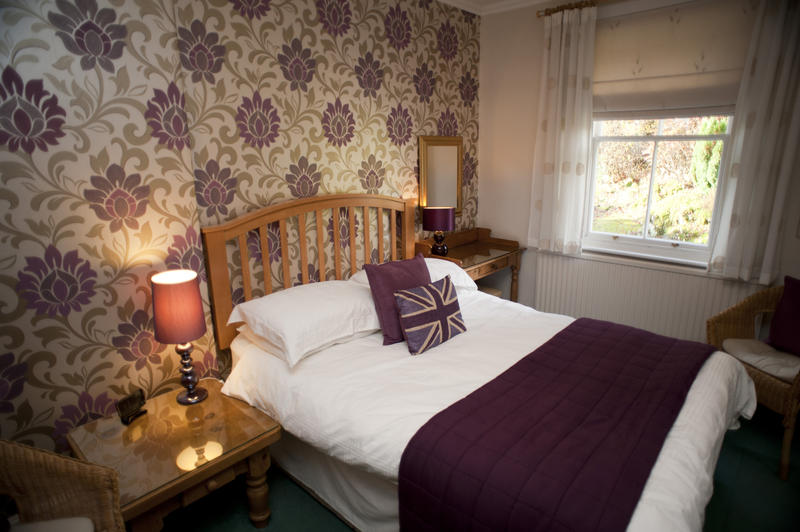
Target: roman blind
x=686 y=59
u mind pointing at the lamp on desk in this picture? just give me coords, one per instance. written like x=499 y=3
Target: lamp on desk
x=178 y=319
x=438 y=220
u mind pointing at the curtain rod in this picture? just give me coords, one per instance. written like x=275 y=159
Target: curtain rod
x=573 y=5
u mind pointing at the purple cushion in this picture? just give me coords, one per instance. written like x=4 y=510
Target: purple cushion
x=784 y=331
x=429 y=314
x=387 y=278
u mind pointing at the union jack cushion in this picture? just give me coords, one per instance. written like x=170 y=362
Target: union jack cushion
x=429 y=314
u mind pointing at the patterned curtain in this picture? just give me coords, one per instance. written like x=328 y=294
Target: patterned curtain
x=763 y=155
x=563 y=140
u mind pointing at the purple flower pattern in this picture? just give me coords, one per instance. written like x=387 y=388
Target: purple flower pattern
x=447 y=41
x=372 y=174
x=87 y=409
x=447 y=125
x=468 y=88
x=89 y=33
x=303 y=179
x=58 y=284
x=214 y=188
x=136 y=342
x=165 y=114
x=12 y=380
x=334 y=15
x=200 y=52
x=252 y=9
x=344 y=228
x=468 y=169
x=273 y=243
x=186 y=252
x=338 y=123
x=118 y=198
x=28 y=119
x=398 y=28
x=424 y=82
x=258 y=121
x=369 y=74
x=206 y=367
x=297 y=65
x=313 y=275
x=399 y=125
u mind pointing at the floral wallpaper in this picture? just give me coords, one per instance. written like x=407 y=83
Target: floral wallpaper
x=126 y=126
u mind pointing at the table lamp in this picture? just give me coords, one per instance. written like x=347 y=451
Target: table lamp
x=438 y=220
x=178 y=319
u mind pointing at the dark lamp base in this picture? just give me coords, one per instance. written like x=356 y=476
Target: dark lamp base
x=192 y=395
x=439 y=247
x=200 y=394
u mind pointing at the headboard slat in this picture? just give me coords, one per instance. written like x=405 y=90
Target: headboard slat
x=245 y=259
x=351 y=214
x=218 y=239
x=284 y=252
x=367 y=247
x=265 y=262
x=380 y=235
x=393 y=234
x=301 y=223
x=320 y=246
x=337 y=247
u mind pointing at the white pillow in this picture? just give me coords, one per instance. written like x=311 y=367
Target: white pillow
x=438 y=269
x=299 y=321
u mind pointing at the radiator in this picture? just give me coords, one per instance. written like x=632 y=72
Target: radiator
x=673 y=303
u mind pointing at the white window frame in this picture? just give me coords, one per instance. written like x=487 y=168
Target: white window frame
x=644 y=247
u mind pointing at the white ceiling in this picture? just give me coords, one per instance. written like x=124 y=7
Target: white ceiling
x=485 y=7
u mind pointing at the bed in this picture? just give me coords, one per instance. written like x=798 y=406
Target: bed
x=349 y=408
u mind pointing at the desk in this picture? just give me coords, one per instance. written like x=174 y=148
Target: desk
x=479 y=254
x=161 y=457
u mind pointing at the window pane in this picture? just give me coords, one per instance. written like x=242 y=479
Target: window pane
x=684 y=189
x=622 y=182
x=628 y=128
x=696 y=125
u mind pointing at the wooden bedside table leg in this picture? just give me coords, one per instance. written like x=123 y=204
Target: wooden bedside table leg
x=257 y=489
x=515 y=278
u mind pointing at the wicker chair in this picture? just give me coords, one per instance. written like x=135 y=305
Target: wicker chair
x=46 y=485
x=778 y=395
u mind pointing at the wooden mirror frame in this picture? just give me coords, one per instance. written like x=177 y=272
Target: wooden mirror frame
x=426 y=142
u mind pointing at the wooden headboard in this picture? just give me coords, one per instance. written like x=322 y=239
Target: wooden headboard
x=229 y=241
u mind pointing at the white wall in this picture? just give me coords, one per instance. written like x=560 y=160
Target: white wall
x=509 y=86
x=509 y=94
x=509 y=89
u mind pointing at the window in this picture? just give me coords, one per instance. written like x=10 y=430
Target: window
x=654 y=186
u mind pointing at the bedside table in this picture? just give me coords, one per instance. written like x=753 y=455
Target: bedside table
x=174 y=454
x=479 y=254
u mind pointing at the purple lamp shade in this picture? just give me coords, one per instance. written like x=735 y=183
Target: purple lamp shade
x=177 y=307
x=439 y=218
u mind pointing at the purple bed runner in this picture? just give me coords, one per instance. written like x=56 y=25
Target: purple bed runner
x=563 y=440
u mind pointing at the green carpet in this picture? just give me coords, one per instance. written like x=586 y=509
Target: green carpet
x=748 y=495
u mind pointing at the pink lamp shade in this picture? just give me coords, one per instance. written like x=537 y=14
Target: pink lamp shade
x=177 y=307
x=439 y=218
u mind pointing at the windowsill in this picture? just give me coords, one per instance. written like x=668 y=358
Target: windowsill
x=640 y=262
x=642 y=258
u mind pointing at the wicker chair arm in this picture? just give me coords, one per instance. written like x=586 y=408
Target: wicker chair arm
x=739 y=320
x=46 y=485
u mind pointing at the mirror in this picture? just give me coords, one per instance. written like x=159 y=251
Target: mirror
x=440 y=172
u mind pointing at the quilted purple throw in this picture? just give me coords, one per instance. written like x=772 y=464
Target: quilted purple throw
x=563 y=440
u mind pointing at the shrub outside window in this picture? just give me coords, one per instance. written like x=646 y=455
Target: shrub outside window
x=654 y=186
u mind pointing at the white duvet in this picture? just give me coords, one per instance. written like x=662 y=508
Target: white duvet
x=361 y=402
